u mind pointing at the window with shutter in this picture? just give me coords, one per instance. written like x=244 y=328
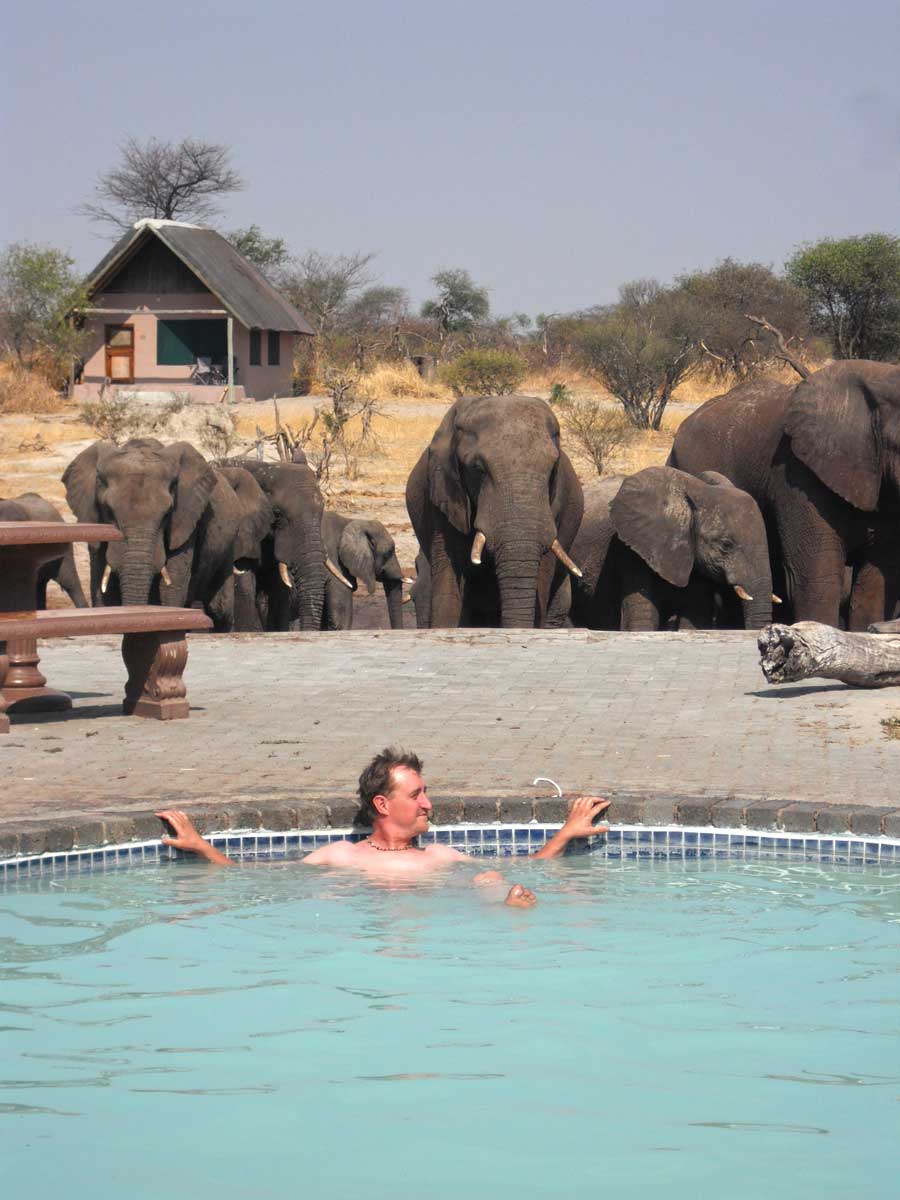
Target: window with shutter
x=255 y=348
x=274 y=348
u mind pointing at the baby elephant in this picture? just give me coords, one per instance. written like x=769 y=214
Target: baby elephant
x=660 y=544
x=359 y=550
x=32 y=507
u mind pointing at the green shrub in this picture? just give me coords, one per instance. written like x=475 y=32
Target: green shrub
x=484 y=373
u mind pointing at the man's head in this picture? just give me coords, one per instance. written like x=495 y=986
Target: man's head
x=392 y=789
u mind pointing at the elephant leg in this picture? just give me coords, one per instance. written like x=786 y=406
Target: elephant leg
x=446 y=594
x=641 y=595
x=868 y=596
x=814 y=530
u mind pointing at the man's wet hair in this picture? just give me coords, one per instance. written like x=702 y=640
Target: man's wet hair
x=376 y=779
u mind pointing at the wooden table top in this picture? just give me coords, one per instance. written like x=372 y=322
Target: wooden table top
x=36 y=533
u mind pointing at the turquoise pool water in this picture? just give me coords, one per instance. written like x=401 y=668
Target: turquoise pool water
x=651 y=1028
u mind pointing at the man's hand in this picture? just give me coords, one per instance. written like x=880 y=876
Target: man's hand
x=580 y=821
x=187 y=838
x=520 y=897
x=579 y=824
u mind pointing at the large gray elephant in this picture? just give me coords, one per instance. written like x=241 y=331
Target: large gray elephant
x=822 y=460
x=363 y=551
x=495 y=504
x=182 y=525
x=657 y=545
x=32 y=507
x=290 y=582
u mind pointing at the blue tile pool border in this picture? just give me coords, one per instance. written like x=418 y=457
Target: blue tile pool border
x=668 y=842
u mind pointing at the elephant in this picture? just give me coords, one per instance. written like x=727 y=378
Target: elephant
x=290 y=581
x=657 y=544
x=361 y=550
x=495 y=504
x=32 y=507
x=822 y=460
x=182 y=523
x=258 y=519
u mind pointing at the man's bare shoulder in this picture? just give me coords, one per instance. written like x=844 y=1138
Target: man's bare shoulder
x=337 y=854
x=442 y=853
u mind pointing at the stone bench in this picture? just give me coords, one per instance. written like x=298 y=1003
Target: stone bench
x=154 y=647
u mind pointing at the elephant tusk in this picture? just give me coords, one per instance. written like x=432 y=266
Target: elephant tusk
x=477 y=547
x=410 y=582
x=341 y=578
x=284 y=575
x=240 y=570
x=564 y=559
x=165 y=577
x=104 y=583
x=741 y=593
x=776 y=599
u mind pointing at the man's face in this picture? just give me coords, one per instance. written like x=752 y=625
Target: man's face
x=407 y=805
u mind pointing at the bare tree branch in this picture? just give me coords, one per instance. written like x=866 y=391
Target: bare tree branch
x=786 y=356
x=165 y=180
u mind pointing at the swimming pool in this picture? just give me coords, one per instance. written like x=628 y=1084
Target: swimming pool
x=681 y=1024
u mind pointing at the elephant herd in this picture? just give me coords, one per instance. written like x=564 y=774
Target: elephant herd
x=772 y=494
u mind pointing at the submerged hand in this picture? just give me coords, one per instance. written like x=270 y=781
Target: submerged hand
x=520 y=897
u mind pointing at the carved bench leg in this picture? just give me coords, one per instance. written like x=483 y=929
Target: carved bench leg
x=155 y=663
x=4 y=665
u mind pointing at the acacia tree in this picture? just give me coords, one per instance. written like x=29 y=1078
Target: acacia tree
x=853 y=289
x=723 y=297
x=459 y=306
x=267 y=253
x=39 y=289
x=172 y=181
x=641 y=348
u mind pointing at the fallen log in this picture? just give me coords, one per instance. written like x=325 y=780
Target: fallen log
x=865 y=660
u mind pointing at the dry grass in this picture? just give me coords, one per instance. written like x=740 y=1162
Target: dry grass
x=402 y=382
x=24 y=391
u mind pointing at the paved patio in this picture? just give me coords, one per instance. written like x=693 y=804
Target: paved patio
x=281 y=724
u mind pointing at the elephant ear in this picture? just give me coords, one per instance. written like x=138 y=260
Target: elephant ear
x=80 y=479
x=194 y=483
x=567 y=500
x=356 y=554
x=652 y=514
x=257 y=518
x=716 y=479
x=444 y=484
x=833 y=425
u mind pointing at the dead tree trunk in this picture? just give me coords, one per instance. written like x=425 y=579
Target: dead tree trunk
x=792 y=652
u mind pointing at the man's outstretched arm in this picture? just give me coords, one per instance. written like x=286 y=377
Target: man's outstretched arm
x=187 y=838
x=579 y=824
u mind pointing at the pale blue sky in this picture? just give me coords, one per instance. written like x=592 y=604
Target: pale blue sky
x=554 y=150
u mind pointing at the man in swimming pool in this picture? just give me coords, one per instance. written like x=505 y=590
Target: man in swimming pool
x=394 y=801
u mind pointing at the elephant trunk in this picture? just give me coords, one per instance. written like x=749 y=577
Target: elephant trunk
x=309 y=588
x=517 y=564
x=393 y=594
x=137 y=572
x=758 y=611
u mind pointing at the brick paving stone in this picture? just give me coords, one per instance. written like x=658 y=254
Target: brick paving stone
x=800 y=817
x=868 y=821
x=652 y=720
x=835 y=818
